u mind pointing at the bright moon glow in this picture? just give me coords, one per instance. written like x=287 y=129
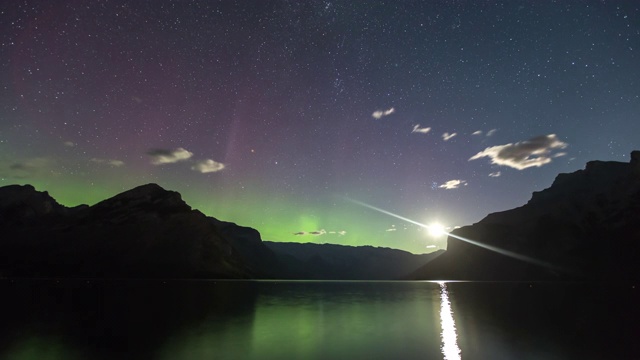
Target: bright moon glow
x=436 y=229
x=482 y=245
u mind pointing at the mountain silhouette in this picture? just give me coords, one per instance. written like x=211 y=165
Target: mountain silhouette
x=150 y=232
x=585 y=226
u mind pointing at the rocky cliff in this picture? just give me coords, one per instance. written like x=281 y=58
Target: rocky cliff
x=585 y=226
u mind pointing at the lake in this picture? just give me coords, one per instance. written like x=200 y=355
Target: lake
x=140 y=319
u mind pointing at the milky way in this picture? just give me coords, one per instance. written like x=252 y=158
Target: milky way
x=273 y=114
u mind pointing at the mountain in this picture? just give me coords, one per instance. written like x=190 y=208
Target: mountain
x=585 y=226
x=144 y=232
x=151 y=232
x=339 y=262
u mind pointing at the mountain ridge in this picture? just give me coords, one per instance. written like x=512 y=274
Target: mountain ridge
x=148 y=231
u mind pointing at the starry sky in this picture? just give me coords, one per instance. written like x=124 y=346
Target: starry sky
x=298 y=117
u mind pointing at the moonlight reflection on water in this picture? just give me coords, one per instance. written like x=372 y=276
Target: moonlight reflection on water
x=450 y=348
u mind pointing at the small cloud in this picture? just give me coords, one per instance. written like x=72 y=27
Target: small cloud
x=453 y=184
x=524 y=154
x=69 y=144
x=320 y=232
x=136 y=99
x=164 y=156
x=382 y=113
x=491 y=132
x=112 y=162
x=392 y=228
x=446 y=136
x=418 y=129
x=207 y=166
x=557 y=155
x=30 y=168
x=430 y=246
x=495 y=174
x=479 y=132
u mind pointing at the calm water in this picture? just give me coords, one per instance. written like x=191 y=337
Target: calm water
x=46 y=319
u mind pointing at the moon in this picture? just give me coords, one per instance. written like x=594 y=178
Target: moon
x=436 y=229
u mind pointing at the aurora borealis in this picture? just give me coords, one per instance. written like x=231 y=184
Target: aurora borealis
x=272 y=114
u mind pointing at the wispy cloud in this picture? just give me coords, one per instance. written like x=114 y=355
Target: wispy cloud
x=207 y=166
x=382 y=113
x=525 y=154
x=418 y=129
x=446 y=136
x=430 y=246
x=165 y=156
x=112 y=162
x=495 y=174
x=320 y=232
x=489 y=133
x=28 y=168
x=453 y=184
x=69 y=144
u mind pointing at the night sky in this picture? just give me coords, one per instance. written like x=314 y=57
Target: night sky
x=288 y=116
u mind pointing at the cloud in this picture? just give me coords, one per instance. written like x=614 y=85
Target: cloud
x=446 y=136
x=320 y=232
x=380 y=113
x=430 y=246
x=207 y=166
x=30 y=168
x=489 y=133
x=164 y=156
x=392 y=228
x=524 y=154
x=69 y=144
x=453 y=184
x=418 y=129
x=111 y=162
x=495 y=174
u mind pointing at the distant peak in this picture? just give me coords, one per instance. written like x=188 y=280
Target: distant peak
x=146 y=191
x=151 y=187
x=147 y=194
x=40 y=202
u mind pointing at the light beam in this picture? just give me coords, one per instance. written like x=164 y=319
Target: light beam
x=473 y=242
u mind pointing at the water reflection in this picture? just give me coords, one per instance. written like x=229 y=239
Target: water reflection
x=449 y=337
x=316 y=320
